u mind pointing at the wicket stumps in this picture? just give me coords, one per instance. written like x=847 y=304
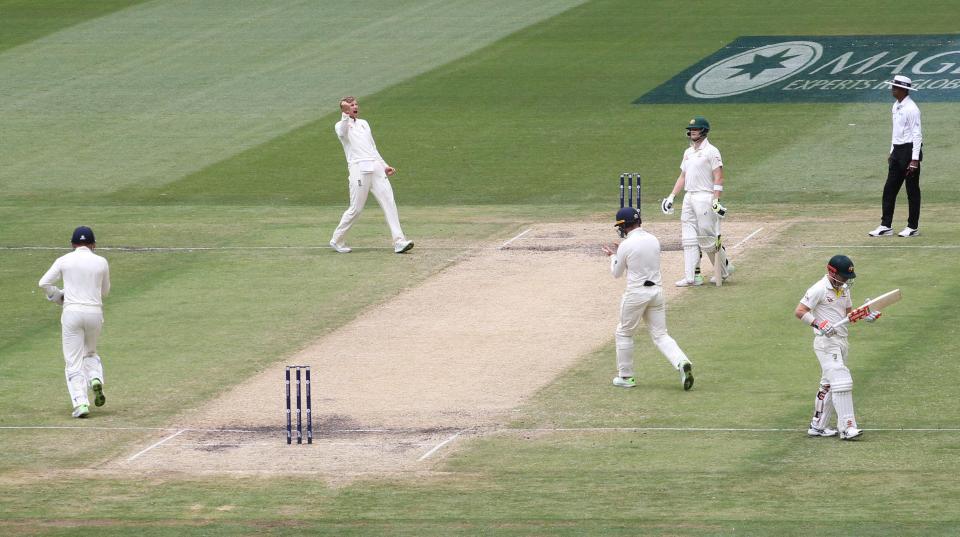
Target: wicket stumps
x=306 y=370
x=627 y=178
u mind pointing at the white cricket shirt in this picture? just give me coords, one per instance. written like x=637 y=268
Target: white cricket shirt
x=639 y=256
x=827 y=304
x=906 y=126
x=86 y=279
x=357 y=140
x=698 y=165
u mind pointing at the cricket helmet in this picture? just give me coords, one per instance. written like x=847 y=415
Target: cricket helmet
x=699 y=122
x=842 y=266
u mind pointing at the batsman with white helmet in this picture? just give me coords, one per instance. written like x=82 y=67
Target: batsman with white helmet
x=639 y=258
x=824 y=305
x=701 y=176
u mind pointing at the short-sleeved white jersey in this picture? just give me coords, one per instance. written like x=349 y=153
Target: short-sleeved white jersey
x=639 y=256
x=698 y=165
x=826 y=303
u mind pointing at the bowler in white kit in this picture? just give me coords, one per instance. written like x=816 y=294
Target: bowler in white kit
x=367 y=174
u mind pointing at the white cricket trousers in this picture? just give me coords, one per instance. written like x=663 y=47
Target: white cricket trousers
x=699 y=229
x=644 y=303
x=80 y=330
x=361 y=185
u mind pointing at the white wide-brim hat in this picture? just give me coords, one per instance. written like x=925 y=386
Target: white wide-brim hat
x=900 y=81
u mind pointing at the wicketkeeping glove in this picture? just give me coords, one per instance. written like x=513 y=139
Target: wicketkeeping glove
x=719 y=209
x=666 y=205
x=56 y=297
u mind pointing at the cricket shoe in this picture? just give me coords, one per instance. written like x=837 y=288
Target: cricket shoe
x=825 y=432
x=881 y=231
x=689 y=283
x=97 y=386
x=850 y=433
x=909 y=232
x=81 y=411
x=628 y=382
x=403 y=246
x=340 y=248
x=686 y=376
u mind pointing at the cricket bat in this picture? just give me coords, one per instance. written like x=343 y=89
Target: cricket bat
x=877 y=304
x=717 y=260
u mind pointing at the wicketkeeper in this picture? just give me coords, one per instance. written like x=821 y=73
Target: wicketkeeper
x=86 y=280
x=825 y=304
x=701 y=176
x=639 y=258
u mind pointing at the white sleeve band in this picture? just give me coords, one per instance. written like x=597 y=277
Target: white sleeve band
x=808 y=318
x=718 y=188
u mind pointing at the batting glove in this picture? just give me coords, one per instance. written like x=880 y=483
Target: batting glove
x=719 y=209
x=666 y=205
x=824 y=328
x=873 y=316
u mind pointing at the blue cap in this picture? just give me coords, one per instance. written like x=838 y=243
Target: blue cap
x=83 y=235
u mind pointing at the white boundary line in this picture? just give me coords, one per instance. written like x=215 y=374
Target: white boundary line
x=171 y=437
x=522 y=233
x=745 y=239
x=438 y=446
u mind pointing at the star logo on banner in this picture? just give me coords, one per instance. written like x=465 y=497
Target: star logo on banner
x=761 y=63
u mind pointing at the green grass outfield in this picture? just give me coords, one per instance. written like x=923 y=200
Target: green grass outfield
x=180 y=124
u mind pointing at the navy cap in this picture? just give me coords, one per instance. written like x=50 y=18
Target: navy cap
x=83 y=235
x=627 y=216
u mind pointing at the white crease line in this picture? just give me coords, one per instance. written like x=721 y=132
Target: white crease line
x=438 y=446
x=171 y=437
x=706 y=429
x=919 y=246
x=745 y=239
x=522 y=233
x=92 y=428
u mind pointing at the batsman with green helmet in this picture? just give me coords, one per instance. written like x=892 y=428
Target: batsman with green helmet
x=701 y=176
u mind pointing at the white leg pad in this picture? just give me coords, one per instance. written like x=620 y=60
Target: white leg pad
x=822 y=406
x=841 y=383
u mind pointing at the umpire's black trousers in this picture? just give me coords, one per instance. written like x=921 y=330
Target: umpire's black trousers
x=896 y=177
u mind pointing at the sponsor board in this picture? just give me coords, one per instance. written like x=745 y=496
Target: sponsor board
x=818 y=69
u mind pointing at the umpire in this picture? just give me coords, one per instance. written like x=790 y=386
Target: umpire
x=906 y=152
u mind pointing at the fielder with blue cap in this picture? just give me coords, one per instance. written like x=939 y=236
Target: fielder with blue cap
x=638 y=256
